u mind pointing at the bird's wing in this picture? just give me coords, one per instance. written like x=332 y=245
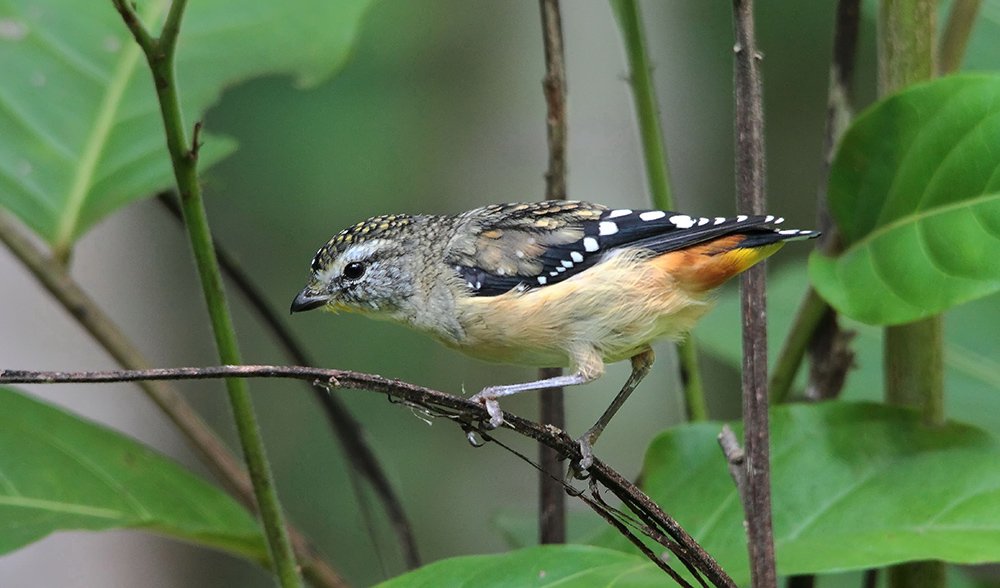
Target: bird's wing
x=504 y=247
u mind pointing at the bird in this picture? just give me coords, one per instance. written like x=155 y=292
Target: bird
x=549 y=283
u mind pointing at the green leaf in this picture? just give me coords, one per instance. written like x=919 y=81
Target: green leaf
x=59 y=472
x=80 y=130
x=972 y=371
x=856 y=485
x=546 y=565
x=915 y=191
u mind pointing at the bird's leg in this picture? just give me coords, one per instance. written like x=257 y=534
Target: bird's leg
x=589 y=368
x=641 y=362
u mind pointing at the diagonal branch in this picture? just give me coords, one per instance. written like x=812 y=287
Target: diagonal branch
x=347 y=429
x=463 y=412
x=213 y=451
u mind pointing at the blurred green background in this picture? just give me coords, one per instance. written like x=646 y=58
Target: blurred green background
x=440 y=109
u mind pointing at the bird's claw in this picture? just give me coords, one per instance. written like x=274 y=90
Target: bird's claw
x=492 y=408
x=580 y=468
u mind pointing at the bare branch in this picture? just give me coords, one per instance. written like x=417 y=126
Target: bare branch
x=750 y=181
x=469 y=415
x=552 y=500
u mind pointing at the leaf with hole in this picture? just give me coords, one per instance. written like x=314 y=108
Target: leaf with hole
x=915 y=192
x=59 y=472
x=80 y=129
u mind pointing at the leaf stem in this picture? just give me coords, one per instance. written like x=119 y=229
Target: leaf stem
x=654 y=152
x=160 y=54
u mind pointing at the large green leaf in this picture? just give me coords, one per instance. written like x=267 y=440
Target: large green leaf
x=548 y=565
x=972 y=370
x=80 y=130
x=855 y=485
x=915 y=191
x=59 y=472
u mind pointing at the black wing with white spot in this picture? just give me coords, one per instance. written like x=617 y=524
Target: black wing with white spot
x=519 y=246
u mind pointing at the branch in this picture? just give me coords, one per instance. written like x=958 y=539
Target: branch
x=347 y=429
x=750 y=200
x=654 y=151
x=469 y=415
x=956 y=35
x=102 y=328
x=552 y=500
x=160 y=57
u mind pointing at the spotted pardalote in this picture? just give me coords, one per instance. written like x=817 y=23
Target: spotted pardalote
x=551 y=283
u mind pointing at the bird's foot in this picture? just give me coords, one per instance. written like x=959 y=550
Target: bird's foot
x=586 y=457
x=492 y=408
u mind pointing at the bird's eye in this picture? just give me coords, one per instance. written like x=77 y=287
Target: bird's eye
x=354 y=271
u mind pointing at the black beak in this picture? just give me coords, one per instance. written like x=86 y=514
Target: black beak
x=308 y=300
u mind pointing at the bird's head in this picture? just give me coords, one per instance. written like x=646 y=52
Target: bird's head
x=365 y=268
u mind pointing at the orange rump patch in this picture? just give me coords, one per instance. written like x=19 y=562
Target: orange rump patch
x=708 y=265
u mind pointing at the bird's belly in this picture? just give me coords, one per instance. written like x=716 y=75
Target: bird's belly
x=617 y=312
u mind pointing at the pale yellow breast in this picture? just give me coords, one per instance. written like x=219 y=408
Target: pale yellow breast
x=615 y=308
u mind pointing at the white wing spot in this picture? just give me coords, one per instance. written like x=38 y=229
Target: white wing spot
x=703 y=221
x=590 y=244
x=741 y=218
x=607 y=228
x=619 y=212
x=542 y=280
x=560 y=270
x=651 y=215
x=682 y=221
x=719 y=220
x=566 y=263
x=471 y=285
x=576 y=256
x=779 y=220
x=555 y=273
x=789 y=232
x=768 y=218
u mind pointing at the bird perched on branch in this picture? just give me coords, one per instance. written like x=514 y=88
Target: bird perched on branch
x=549 y=284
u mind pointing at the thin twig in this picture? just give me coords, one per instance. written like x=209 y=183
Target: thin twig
x=552 y=500
x=750 y=181
x=161 y=57
x=213 y=452
x=654 y=150
x=735 y=458
x=467 y=414
x=347 y=429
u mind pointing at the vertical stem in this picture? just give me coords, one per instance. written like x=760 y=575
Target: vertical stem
x=956 y=34
x=654 y=151
x=160 y=55
x=914 y=371
x=552 y=499
x=750 y=179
